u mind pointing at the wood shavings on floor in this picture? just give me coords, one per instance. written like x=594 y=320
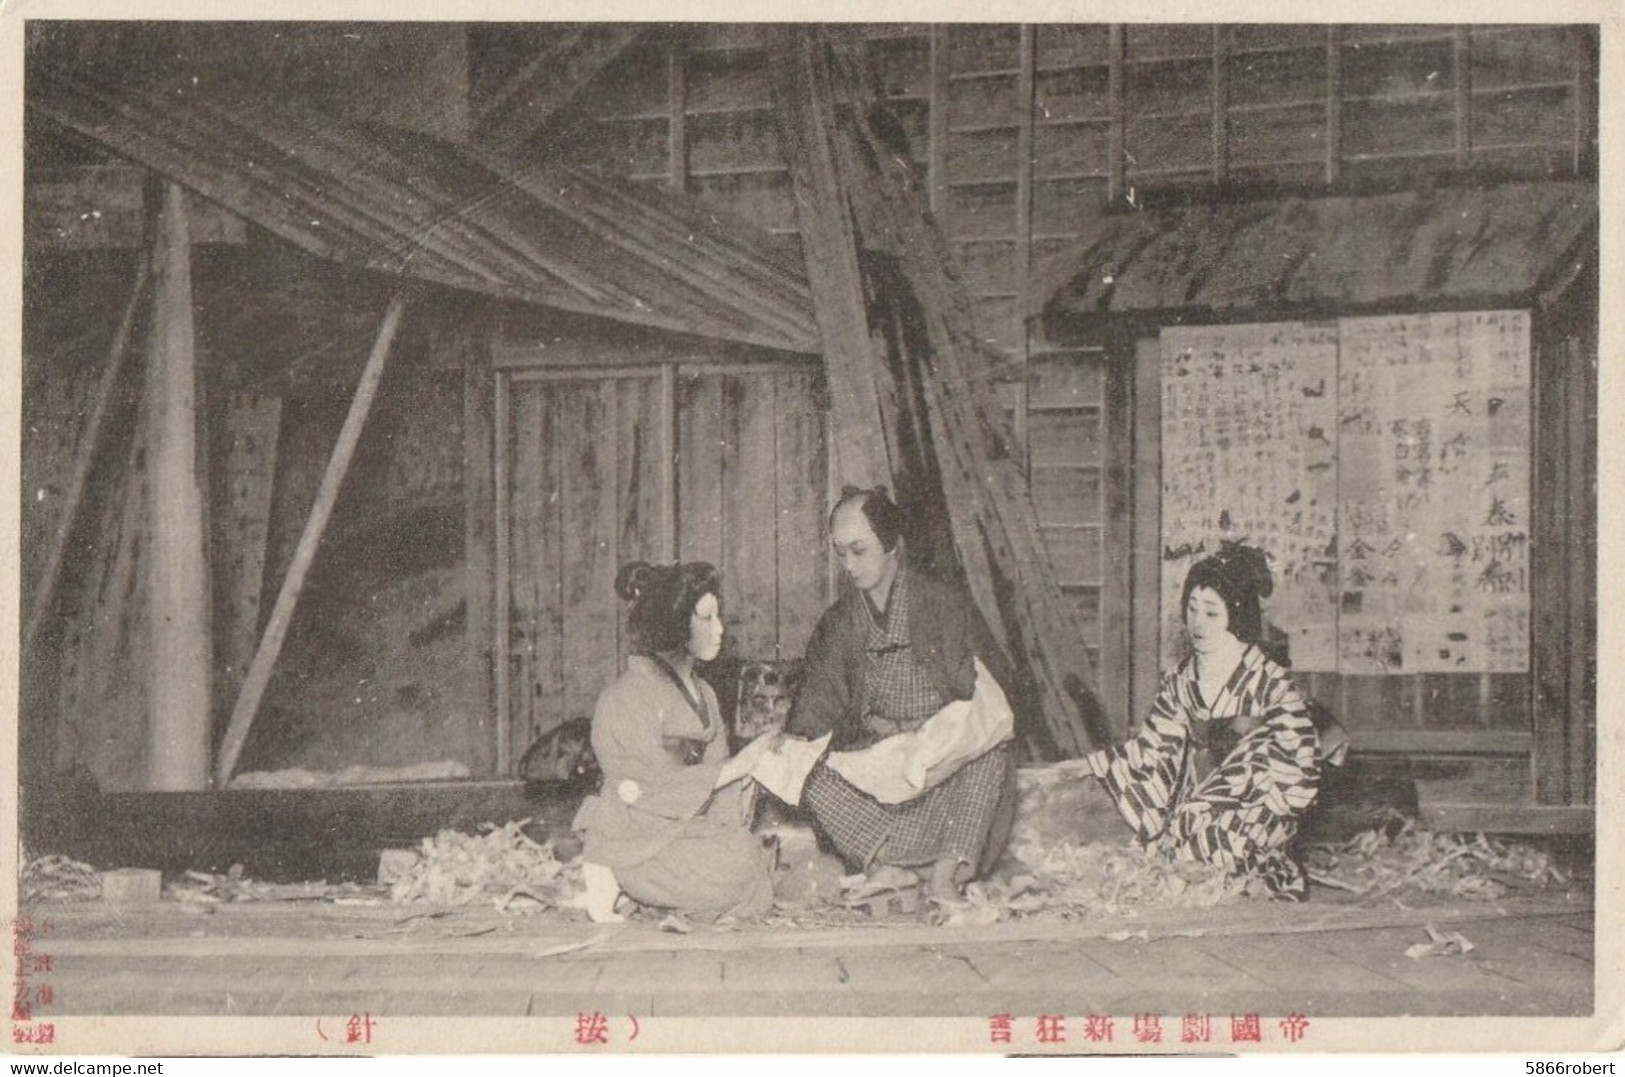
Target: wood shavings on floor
x=1406 y=859
x=502 y=865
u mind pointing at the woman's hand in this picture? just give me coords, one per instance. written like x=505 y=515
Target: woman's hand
x=742 y=764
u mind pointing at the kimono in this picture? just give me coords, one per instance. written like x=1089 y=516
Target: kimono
x=870 y=674
x=1225 y=782
x=678 y=842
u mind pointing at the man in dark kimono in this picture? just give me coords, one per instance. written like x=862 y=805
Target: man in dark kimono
x=895 y=649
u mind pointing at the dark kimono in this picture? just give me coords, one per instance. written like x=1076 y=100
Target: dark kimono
x=1223 y=782
x=871 y=674
x=681 y=844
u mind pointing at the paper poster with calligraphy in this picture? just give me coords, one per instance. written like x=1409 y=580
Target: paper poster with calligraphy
x=1384 y=465
x=1249 y=455
x=1433 y=482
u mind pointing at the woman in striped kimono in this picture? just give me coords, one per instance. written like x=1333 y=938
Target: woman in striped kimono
x=1225 y=765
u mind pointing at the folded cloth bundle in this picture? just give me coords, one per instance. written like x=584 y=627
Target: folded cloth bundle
x=904 y=765
x=782 y=770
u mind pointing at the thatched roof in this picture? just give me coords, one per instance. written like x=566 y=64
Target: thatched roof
x=402 y=203
x=1444 y=248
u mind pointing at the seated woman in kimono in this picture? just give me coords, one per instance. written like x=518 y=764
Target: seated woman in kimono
x=895 y=649
x=1225 y=765
x=669 y=827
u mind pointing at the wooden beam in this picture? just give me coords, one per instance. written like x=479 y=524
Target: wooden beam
x=1221 y=103
x=869 y=201
x=180 y=661
x=937 y=139
x=90 y=439
x=667 y=531
x=1582 y=561
x=1458 y=817
x=1026 y=88
x=1585 y=100
x=276 y=629
x=1116 y=107
x=527 y=108
x=677 y=111
x=1461 y=64
x=502 y=640
x=1467 y=741
x=1334 y=105
x=1117 y=608
x=804 y=105
x=1550 y=388
x=1144 y=354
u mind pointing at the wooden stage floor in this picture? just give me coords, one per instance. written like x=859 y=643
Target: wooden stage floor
x=1531 y=957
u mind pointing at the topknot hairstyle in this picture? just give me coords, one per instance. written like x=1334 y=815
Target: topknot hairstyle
x=663 y=598
x=1240 y=575
x=884 y=517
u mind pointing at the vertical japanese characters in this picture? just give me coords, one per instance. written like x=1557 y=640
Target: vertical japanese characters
x=1383 y=462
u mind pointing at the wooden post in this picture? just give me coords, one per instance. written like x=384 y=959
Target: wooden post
x=1116 y=111
x=276 y=629
x=1221 y=104
x=861 y=202
x=178 y=577
x=479 y=522
x=84 y=459
x=1026 y=90
x=677 y=103
x=502 y=614
x=1462 y=94
x=1334 y=105
x=937 y=138
x=804 y=104
x=1584 y=42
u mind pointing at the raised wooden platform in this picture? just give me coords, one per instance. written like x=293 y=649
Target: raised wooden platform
x=1531 y=958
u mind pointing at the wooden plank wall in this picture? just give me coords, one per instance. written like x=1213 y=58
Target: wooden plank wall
x=1254 y=107
x=748 y=494
x=101 y=708
x=752 y=491
x=578 y=507
x=246 y=448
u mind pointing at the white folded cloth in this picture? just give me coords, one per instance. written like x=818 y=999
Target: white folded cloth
x=904 y=765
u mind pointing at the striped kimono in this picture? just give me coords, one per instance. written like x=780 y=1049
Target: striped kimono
x=1223 y=783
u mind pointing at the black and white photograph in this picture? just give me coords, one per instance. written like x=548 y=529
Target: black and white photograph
x=1042 y=535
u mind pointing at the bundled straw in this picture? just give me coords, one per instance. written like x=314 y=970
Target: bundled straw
x=57 y=878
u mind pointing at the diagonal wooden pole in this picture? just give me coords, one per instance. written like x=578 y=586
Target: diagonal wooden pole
x=803 y=101
x=276 y=628
x=994 y=522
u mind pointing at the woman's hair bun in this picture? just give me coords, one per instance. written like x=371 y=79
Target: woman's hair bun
x=633 y=578
x=1248 y=566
